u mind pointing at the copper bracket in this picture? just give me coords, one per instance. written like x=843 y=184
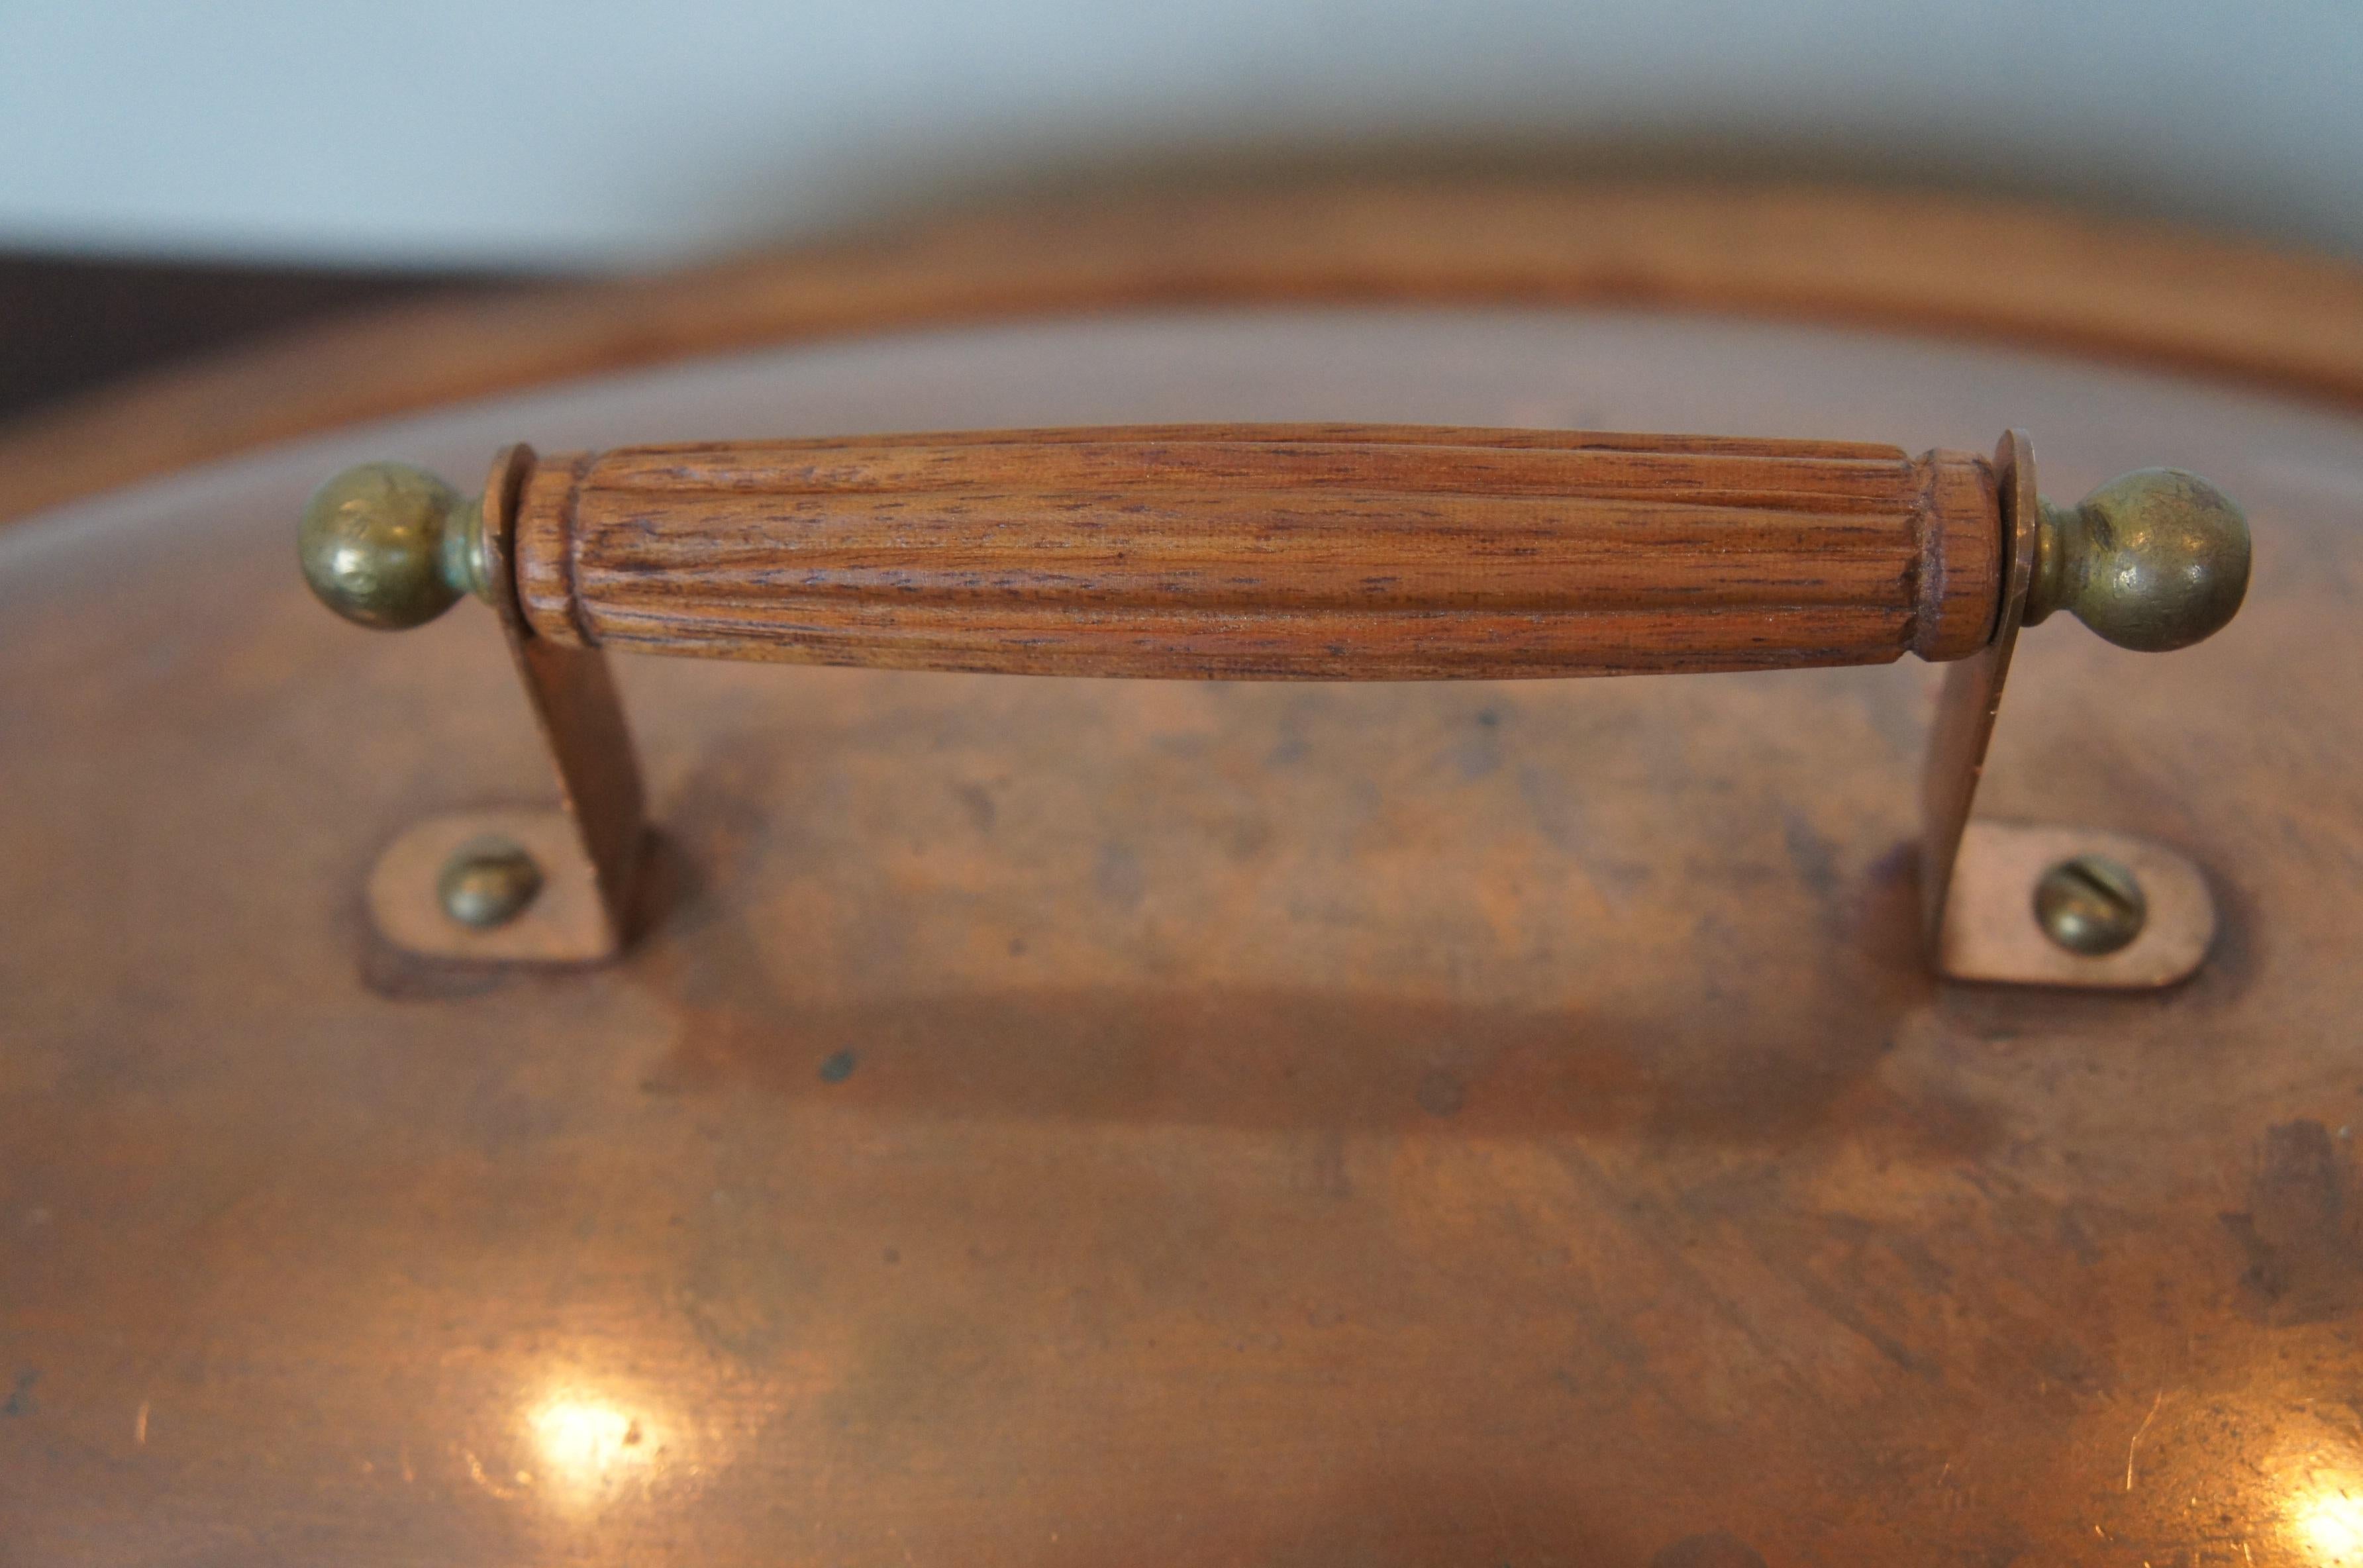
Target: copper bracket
x=590 y=850
x=1978 y=884
x=1979 y=877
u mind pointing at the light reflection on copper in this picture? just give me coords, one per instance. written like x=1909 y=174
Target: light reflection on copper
x=2328 y=1521
x=589 y=1441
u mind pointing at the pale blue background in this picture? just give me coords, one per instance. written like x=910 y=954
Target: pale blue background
x=593 y=133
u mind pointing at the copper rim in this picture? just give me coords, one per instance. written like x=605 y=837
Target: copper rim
x=1961 y=266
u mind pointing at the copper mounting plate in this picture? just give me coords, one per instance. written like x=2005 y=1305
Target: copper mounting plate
x=565 y=923
x=588 y=850
x=1990 y=932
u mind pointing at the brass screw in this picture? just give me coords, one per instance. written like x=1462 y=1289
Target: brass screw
x=2090 y=905
x=488 y=882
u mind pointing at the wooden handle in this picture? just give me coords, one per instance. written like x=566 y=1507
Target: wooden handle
x=1330 y=552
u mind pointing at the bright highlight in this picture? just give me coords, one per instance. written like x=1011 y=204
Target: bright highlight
x=584 y=1441
x=2330 y=1523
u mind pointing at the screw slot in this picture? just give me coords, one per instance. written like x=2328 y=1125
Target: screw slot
x=488 y=882
x=2090 y=905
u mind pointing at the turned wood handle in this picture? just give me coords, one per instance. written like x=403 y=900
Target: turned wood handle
x=1335 y=552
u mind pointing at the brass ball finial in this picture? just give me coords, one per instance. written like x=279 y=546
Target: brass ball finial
x=2152 y=560
x=390 y=546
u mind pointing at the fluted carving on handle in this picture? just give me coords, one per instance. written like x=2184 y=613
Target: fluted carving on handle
x=1329 y=552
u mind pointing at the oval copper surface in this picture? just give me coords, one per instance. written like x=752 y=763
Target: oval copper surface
x=1065 y=1120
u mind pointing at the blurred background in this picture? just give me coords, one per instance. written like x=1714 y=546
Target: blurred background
x=176 y=176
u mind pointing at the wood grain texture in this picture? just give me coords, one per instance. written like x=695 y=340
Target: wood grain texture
x=1979 y=268
x=1307 y=551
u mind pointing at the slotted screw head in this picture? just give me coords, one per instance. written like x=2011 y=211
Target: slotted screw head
x=2090 y=905
x=488 y=882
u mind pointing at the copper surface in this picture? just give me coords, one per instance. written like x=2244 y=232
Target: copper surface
x=1991 y=931
x=1075 y=1121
